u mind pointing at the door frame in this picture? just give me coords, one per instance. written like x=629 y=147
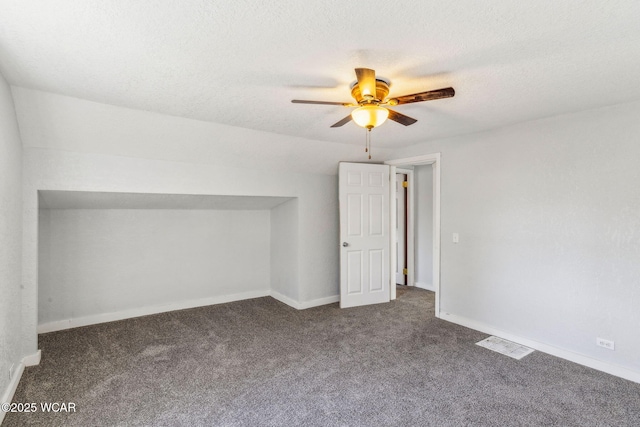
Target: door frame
x=427 y=159
x=409 y=229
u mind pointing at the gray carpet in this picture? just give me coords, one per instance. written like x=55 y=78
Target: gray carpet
x=259 y=362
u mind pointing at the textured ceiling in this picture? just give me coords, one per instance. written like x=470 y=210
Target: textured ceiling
x=240 y=62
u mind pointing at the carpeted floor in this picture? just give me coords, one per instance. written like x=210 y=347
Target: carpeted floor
x=259 y=362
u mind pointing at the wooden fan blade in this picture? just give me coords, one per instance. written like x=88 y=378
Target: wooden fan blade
x=342 y=122
x=301 y=101
x=401 y=118
x=366 y=82
x=423 y=96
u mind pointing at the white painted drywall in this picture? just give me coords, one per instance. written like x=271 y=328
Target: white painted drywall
x=98 y=261
x=10 y=237
x=59 y=122
x=64 y=170
x=215 y=173
x=284 y=249
x=548 y=214
x=423 y=220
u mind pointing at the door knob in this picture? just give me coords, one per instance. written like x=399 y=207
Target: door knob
x=345 y=244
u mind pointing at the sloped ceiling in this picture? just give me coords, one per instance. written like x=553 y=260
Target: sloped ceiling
x=240 y=62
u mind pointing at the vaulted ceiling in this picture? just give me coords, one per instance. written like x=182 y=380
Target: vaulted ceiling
x=240 y=62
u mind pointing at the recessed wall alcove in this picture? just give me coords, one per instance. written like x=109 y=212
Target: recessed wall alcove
x=107 y=256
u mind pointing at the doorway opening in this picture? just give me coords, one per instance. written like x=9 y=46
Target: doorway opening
x=412 y=167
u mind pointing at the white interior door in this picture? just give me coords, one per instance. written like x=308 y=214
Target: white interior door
x=401 y=229
x=364 y=234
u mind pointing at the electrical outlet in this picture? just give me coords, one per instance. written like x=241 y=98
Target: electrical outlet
x=610 y=345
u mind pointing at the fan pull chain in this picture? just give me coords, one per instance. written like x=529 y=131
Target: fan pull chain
x=367 y=140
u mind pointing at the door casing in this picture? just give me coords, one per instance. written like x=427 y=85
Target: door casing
x=428 y=159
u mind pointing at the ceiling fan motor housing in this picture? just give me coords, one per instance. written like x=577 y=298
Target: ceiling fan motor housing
x=382 y=91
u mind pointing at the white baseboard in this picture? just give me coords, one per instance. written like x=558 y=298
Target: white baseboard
x=285 y=299
x=427 y=286
x=7 y=396
x=11 y=388
x=60 y=325
x=304 y=305
x=320 y=301
x=32 y=359
x=599 y=365
x=144 y=311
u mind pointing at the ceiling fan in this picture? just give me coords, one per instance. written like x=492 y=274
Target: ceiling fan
x=371 y=98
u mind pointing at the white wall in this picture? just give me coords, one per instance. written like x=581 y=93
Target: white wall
x=423 y=220
x=284 y=250
x=98 y=261
x=64 y=124
x=69 y=171
x=549 y=219
x=60 y=122
x=10 y=238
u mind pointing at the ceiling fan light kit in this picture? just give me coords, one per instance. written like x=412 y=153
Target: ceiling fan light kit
x=370 y=116
x=371 y=94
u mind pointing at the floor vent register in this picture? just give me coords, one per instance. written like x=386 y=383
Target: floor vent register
x=505 y=347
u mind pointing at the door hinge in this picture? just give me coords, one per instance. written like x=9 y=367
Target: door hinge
x=405 y=271
x=405 y=184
